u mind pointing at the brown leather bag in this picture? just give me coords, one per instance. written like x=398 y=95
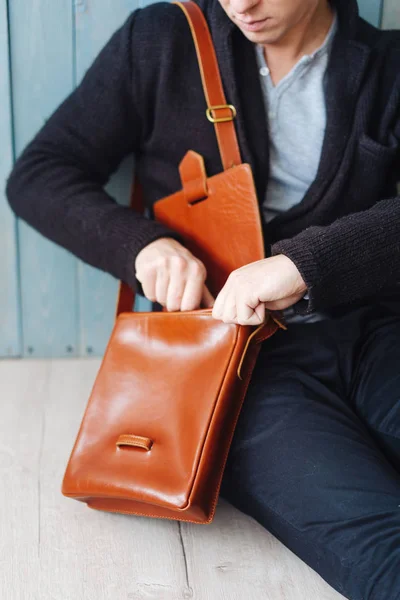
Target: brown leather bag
x=158 y=425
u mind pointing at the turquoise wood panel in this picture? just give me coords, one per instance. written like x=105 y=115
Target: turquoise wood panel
x=391 y=14
x=371 y=10
x=67 y=306
x=95 y=22
x=10 y=342
x=98 y=290
x=42 y=75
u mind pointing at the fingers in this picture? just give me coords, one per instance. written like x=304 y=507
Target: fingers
x=240 y=313
x=172 y=276
x=284 y=302
x=246 y=315
x=161 y=286
x=186 y=282
x=191 y=298
x=149 y=286
x=235 y=305
x=175 y=278
x=207 y=299
x=227 y=312
x=269 y=284
x=177 y=283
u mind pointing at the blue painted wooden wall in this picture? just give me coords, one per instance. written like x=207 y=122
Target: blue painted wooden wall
x=66 y=307
x=52 y=304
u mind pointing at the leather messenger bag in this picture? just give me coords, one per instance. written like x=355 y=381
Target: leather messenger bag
x=156 y=432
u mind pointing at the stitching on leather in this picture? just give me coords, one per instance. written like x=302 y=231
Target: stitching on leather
x=195 y=313
x=214 y=501
x=256 y=349
x=217 y=82
x=130 y=439
x=220 y=476
x=132 y=512
x=213 y=411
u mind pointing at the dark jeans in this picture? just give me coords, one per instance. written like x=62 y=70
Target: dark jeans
x=316 y=453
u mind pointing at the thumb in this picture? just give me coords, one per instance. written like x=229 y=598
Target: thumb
x=260 y=311
x=207 y=299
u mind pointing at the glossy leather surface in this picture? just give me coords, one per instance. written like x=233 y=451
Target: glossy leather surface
x=158 y=425
x=172 y=378
x=225 y=131
x=212 y=84
x=223 y=229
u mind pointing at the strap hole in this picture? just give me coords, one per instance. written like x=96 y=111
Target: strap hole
x=193 y=202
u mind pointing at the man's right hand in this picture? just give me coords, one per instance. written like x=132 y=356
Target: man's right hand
x=172 y=276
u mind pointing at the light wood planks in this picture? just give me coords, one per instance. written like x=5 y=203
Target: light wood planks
x=23 y=391
x=10 y=343
x=95 y=555
x=391 y=14
x=55 y=548
x=237 y=558
x=41 y=58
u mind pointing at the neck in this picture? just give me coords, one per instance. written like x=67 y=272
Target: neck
x=303 y=38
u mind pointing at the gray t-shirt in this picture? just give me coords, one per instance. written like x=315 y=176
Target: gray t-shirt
x=296 y=124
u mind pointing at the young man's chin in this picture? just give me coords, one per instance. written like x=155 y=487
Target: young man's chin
x=260 y=37
x=263 y=33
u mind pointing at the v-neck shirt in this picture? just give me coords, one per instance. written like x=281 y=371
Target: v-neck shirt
x=296 y=122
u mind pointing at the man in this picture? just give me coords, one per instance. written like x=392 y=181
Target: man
x=316 y=453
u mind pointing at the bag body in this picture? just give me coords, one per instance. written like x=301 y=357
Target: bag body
x=157 y=429
x=156 y=432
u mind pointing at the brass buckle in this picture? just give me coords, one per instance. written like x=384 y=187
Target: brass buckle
x=220 y=119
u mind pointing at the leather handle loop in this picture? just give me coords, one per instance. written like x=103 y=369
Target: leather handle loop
x=193 y=176
x=128 y=439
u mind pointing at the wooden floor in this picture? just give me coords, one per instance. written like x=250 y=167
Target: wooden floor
x=55 y=548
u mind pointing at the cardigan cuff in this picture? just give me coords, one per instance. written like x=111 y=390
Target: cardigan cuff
x=303 y=258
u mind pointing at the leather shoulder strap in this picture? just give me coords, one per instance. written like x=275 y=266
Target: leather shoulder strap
x=218 y=112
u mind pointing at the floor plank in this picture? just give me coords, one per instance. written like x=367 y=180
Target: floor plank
x=242 y=560
x=55 y=548
x=23 y=388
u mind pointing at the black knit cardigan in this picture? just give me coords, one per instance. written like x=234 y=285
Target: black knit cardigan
x=143 y=95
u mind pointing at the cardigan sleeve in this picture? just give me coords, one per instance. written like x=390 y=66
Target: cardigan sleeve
x=56 y=185
x=354 y=258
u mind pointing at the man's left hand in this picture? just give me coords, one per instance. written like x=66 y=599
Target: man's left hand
x=272 y=283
